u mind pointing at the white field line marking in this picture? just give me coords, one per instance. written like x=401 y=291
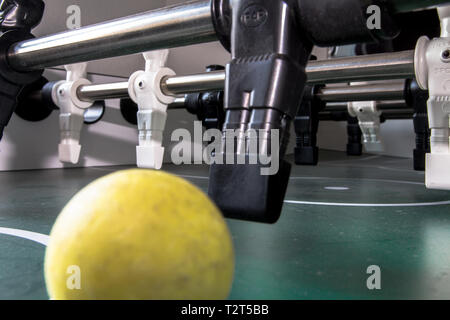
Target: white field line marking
x=423 y=204
x=360 y=180
x=193 y=177
x=33 y=236
x=337 y=204
x=328 y=178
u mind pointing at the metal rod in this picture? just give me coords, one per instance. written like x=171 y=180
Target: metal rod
x=106 y=91
x=410 y=5
x=210 y=81
x=388 y=66
x=381 y=105
x=390 y=106
x=384 y=66
x=172 y=86
x=169 y=27
x=397 y=115
x=387 y=114
x=366 y=92
x=179 y=103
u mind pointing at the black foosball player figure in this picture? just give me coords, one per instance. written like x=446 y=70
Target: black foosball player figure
x=417 y=99
x=354 y=134
x=207 y=106
x=306 y=127
x=20 y=14
x=414 y=96
x=17 y=18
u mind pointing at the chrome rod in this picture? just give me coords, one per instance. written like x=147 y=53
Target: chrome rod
x=178 y=85
x=384 y=66
x=398 y=114
x=410 y=5
x=172 y=86
x=388 y=66
x=169 y=27
x=214 y=81
x=387 y=114
x=381 y=105
x=179 y=103
x=367 y=92
x=105 y=91
x=390 y=105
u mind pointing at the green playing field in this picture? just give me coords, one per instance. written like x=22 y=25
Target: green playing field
x=339 y=218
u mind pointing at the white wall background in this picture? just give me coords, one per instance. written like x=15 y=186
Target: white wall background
x=112 y=141
x=397 y=136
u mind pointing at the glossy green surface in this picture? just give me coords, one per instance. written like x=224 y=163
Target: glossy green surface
x=315 y=251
